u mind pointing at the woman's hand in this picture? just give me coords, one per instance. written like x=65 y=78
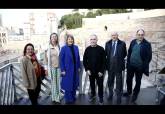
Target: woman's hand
x=100 y=74
x=46 y=72
x=88 y=72
x=63 y=73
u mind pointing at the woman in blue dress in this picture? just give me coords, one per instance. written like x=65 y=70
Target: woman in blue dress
x=70 y=67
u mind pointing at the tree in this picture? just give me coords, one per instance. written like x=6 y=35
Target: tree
x=90 y=15
x=120 y=11
x=113 y=11
x=105 y=11
x=98 y=13
x=75 y=10
x=90 y=9
x=72 y=20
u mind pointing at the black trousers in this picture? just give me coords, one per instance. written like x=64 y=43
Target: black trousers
x=162 y=102
x=119 y=85
x=34 y=93
x=95 y=78
x=138 y=76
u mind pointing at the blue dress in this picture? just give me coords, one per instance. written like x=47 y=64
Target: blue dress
x=70 y=63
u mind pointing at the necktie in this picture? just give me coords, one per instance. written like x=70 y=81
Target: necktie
x=113 y=48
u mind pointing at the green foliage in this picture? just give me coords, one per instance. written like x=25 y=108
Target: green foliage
x=90 y=15
x=74 y=20
x=112 y=11
x=75 y=9
x=98 y=13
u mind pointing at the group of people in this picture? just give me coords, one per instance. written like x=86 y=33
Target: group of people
x=60 y=62
x=63 y=66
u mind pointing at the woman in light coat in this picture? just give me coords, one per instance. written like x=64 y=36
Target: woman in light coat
x=31 y=73
x=52 y=62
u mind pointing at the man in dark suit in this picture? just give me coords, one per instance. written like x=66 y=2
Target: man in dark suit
x=115 y=53
x=139 y=57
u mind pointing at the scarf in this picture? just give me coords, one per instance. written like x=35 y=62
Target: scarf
x=36 y=65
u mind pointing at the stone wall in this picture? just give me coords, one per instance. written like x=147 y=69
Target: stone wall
x=153 y=26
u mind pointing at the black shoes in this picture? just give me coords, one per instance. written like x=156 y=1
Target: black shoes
x=134 y=97
x=118 y=100
x=101 y=101
x=56 y=103
x=110 y=98
x=92 y=98
x=126 y=94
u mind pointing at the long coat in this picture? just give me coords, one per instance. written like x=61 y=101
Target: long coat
x=121 y=53
x=67 y=65
x=145 y=53
x=28 y=73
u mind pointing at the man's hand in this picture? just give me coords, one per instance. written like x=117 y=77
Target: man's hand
x=89 y=72
x=100 y=74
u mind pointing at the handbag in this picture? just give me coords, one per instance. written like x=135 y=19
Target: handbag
x=43 y=74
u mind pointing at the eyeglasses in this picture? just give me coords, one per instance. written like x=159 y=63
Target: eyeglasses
x=92 y=39
x=140 y=34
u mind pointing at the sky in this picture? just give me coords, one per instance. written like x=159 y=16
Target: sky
x=16 y=17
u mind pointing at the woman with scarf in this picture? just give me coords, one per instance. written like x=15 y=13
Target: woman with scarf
x=31 y=73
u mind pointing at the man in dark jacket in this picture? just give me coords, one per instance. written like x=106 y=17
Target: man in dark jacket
x=139 y=57
x=115 y=53
x=94 y=63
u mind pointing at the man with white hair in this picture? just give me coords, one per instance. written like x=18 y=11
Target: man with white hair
x=94 y=63
x=115 y=50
